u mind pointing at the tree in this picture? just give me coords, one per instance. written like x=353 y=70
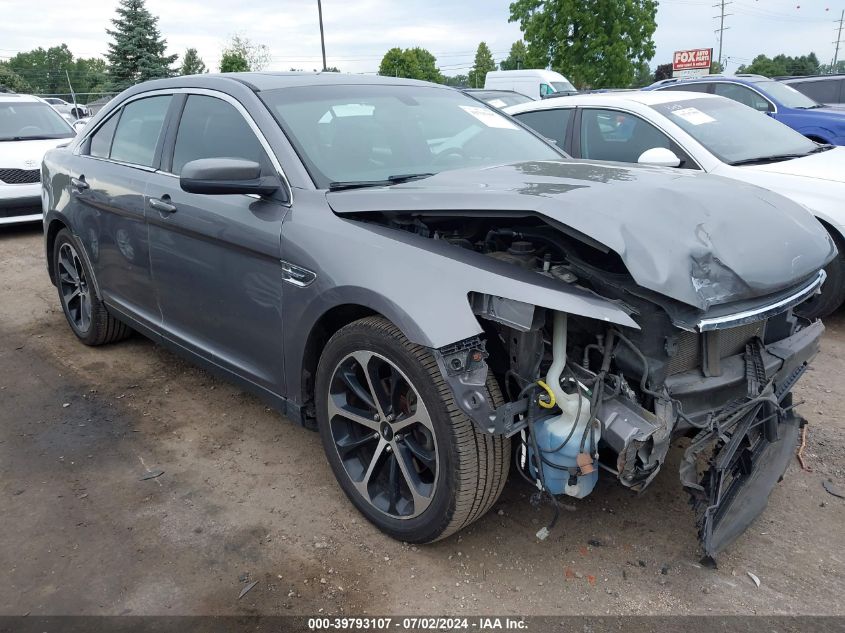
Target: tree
x=411 y=63
x=457 y=81
x=483 y=64
x=643 y=76
x=242 y=49
x=781 y=65
x=716 y=68
x=192 y=63
x=44 y=70
x=233 y=62
x=10 y=81
x=517 y=58
x=137 y=52
x=663 y=71
x=595 y=43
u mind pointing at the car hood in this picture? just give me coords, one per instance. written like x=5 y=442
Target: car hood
x=26 y=154
x=828 y=165
x=696 y=238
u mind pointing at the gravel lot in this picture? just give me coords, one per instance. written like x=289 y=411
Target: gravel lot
x=247 y=496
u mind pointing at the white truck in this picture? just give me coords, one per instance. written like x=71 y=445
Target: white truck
x=535 y=83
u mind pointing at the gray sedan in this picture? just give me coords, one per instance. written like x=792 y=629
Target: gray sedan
x=442 y=293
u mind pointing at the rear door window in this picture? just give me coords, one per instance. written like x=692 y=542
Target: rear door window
x=551 y=124
x=213 y=128
x=138 y=131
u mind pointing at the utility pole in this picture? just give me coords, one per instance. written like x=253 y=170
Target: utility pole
x=72 y=94
x=722 y=28
x=322 y=37
x=837 y=42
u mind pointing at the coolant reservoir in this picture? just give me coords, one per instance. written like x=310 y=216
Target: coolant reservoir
x=550 y=432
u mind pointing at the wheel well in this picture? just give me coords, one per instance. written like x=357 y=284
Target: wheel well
x=52 y=230
x=838 y=238
x=323 y=330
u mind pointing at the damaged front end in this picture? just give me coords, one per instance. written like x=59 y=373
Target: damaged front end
x=583 y=395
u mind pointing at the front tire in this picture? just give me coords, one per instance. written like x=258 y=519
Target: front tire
x=87 y=316
x=403 y=452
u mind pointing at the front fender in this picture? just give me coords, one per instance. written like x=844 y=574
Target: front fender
x=422 y=285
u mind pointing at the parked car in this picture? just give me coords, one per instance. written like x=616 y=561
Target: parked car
x=704 y=132
x=534 y=83
x=75 y=110
x=427 y=282
x=826 y=89
x=28 y=128
x=498 y=98
x=778 y=100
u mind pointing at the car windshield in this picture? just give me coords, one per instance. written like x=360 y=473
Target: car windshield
x=30 y=120
x=563 y=86
x=787 y=95
x=357 y=133
x=733 y=132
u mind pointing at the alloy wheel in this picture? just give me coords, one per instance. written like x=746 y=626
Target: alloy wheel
x=73 y=284
x=383 y=435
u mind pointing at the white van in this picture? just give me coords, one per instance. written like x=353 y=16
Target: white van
x=534 y=83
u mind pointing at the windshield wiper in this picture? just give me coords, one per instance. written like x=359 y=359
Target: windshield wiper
x=31 y=138
x=774 y=158
x=390 y=180
x=812 y=107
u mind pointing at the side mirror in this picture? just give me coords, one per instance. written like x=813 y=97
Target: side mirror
x=659 y=157
x=217 y=176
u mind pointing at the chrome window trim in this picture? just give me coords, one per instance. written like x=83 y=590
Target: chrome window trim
x=192 y=91
x=762 y=312
x=751 y=88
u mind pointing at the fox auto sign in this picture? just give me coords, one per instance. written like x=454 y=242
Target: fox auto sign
x=692 y=63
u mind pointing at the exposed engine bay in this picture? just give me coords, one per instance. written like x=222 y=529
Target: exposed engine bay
x=584 y=396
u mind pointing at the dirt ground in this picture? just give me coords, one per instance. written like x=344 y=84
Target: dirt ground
x=248 y=496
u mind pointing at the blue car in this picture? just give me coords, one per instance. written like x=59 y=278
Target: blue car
x=823 y=124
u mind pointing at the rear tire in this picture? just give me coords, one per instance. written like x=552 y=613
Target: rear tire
x=456 y=471
x=86 y=314
x=833 y=290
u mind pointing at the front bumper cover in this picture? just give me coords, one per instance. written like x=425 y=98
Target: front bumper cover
x=748 y=443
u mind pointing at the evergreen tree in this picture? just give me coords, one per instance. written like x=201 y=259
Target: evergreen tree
x=137 y=52
x=192 y=63
x=483 y=64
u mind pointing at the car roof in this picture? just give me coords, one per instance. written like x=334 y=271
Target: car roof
x=261 y=81
x=794 y=79
x=646 y=98
x=742 y=78
x=12 y=97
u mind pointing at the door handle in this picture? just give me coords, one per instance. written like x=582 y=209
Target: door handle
x=79 y=184
x=162 y=206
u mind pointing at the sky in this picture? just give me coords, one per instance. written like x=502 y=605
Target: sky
x=359 y=32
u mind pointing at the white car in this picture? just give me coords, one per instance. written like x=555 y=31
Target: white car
x=28 y=128
x=74 y=110
x=692 y=130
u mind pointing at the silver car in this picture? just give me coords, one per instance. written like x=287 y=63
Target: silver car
x=441 y=293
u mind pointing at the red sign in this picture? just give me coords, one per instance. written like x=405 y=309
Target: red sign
x=692 y=59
